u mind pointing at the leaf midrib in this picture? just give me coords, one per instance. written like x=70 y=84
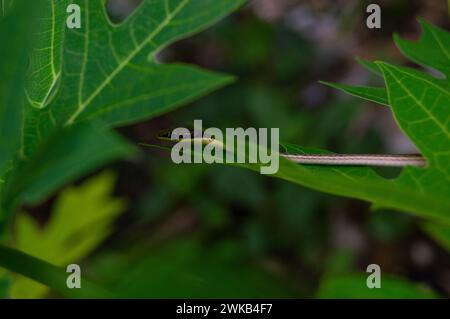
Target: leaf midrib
x=108 y=108
x=52 y=53
x=55 y=74
x=438 y=40
x=3 y=8
x=418 y=101
x=83 y=104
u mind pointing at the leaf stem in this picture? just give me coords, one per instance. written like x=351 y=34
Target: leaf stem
x=48 y=274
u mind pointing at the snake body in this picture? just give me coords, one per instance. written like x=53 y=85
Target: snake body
x=400 y=160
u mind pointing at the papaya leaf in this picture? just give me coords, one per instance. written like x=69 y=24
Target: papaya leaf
x=374 y=94
x=67 y=155
x=83 y=82
x=46 y=55
x=370 y=66
x=12 y=73
x=100 y=58
x=432 y=49
x=363 y=183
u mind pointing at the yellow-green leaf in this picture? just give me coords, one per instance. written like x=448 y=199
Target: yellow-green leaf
x=81 y=219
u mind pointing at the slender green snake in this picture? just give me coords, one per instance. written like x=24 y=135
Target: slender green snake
x=391 y=160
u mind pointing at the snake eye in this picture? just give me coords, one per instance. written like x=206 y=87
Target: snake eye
x=165 y=134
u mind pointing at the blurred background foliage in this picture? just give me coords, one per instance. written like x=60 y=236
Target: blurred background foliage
x=164 y=230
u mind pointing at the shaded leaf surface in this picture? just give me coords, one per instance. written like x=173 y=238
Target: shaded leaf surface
x=187 y=269
x=12 y=73
x=354 y=286
x=82 y=82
